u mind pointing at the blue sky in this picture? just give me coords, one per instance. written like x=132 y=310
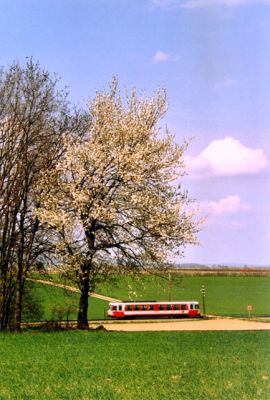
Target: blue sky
x=212 y=56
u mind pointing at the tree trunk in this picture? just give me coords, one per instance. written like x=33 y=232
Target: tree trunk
x=18 y=301
x=19 y=277
x=82 y=322
x=6 y=305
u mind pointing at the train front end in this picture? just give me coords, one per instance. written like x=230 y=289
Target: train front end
x=116 y=310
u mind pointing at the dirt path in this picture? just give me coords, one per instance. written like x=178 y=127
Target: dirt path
x=72 y=289
x=219 y=324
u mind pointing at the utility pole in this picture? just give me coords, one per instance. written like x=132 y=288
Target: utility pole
x=169 y=287
x=203 y=298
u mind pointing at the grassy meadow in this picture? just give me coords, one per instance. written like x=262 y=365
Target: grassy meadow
x=142 y=365
x=54 y=302
x=130 y=366
x=225 y=295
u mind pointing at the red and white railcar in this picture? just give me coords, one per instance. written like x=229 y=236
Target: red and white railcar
x=154 y=309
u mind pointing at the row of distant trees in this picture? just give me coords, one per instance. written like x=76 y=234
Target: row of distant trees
x=84 y=188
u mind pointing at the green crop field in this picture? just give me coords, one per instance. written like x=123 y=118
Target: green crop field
x=225 y=295
x=132 y=366
x=54 y=302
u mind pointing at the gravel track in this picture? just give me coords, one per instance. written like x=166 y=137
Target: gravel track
x=219 y=324
x=73 y=289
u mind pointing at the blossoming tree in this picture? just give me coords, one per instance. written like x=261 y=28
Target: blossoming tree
x=113 y=195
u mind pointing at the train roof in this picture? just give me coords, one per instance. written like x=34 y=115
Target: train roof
x=154 y=302
x=131 y=301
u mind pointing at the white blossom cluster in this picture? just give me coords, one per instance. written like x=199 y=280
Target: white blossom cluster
x=112 y=194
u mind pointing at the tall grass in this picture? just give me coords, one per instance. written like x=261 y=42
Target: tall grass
x=132 y=366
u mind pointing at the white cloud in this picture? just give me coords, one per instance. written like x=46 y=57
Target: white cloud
x=174 y=4
x=226 y=157
x=267 y=236
x=227 y=206
x=161 y=56
x=228 y=82
x=224 y=212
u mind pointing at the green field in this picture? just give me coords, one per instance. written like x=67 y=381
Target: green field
x=225 y=295
x=142 y=365
x=54 y=303
x=132 y=366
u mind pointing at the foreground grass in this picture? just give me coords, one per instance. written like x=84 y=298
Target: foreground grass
x=145 y=366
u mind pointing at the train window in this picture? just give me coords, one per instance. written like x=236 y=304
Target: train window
x=162 y=307
x=169 y=307
x=136 y=307
x=191 y=306
x=197 y=306
x=114 y=308
x=183 y=307
x=144 y=307
x=128 y=308
x=120 y=308
x=151 y=308
x=177 y=307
